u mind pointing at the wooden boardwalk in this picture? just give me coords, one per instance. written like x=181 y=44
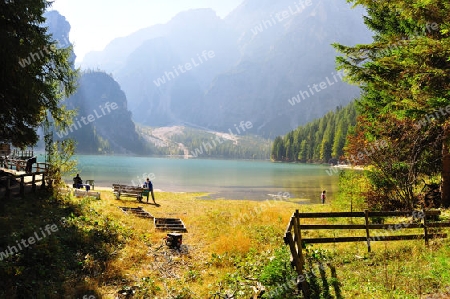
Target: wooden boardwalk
x=16 y=181
x=11 y=185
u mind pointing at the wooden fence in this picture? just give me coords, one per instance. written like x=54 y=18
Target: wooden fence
x=293 y=234
x=20 y=165
x=23 y=182
x=36 y=175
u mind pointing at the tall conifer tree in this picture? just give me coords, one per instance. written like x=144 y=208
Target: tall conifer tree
x=405 y=72
x=34 y=74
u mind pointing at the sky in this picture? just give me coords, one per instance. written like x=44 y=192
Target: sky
x=94 y=23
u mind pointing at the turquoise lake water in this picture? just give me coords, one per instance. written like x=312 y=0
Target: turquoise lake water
x=230 y=179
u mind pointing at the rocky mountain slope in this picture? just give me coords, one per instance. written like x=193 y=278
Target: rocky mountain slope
x=268 y=62
x=103 y=123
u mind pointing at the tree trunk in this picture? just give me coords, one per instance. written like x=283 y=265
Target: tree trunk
x=445 y=184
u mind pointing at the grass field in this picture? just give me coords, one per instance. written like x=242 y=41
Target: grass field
x=98 y=251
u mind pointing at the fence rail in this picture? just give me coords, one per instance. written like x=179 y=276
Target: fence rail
x=293 y=233
x=20 y=165
x=35 y=178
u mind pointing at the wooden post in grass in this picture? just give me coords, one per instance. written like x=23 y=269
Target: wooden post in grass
x=22 y=186
x=33 y=183
x=43 y=181
x=8 y=188
x=366 y=216
x=425 y=228
x=298 y=237
x=300 y=259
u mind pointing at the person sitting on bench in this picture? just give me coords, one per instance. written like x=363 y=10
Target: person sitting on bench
x=77 y=182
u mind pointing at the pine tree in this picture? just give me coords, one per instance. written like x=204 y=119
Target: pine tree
x=405 y=72
x=34 y=74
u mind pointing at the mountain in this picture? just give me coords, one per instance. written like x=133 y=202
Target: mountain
x=269 y=63
x=59 y=27
x=103 y=123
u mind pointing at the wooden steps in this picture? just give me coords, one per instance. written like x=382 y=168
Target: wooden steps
x=170 y=224
x=139 y=211
x=164 y=224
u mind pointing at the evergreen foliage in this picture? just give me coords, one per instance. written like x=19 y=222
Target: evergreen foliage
x=202 y=144
x=321 y=140
x=34 y=74
x=405 y=78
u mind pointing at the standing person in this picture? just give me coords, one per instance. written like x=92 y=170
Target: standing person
x=148 y=184
x=323 y=196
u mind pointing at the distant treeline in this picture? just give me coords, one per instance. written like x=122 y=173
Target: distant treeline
x=208 y=145
x=321 y=140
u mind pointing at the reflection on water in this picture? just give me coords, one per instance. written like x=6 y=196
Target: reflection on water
x=229 y=179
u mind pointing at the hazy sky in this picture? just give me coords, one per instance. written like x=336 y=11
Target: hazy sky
x=96 y=22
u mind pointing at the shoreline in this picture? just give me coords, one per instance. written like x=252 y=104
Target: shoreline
x=215 y=196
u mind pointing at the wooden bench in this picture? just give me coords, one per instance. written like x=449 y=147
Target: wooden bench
x=82 y=193
x=88 y=185
x=91 y=183
x=130 y=191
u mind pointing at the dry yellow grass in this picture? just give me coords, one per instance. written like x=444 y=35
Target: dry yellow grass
x=214 y=226
x=228 y=228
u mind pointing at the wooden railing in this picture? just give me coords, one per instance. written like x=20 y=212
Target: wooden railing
x=35 y=178
x=294 y=230
x=20 y=165
x=22 y=154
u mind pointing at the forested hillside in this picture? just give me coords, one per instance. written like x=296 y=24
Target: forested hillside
x=197 y=143
x=321 y=140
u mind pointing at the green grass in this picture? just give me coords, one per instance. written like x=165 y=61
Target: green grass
x=231 y=246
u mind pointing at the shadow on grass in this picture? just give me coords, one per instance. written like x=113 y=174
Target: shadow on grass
x=325 y=285
x=55 y=248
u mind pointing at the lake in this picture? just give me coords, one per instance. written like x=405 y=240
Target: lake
x=230 y=179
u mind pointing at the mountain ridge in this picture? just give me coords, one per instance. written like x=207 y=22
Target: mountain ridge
x=253 y=74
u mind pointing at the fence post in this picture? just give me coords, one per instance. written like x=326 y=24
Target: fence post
x=425 y=228
x=43 y=181
x=290 y=241
x=33 y=183
x=8 y=188
x=22 y=186
x=366 y=216
x=300 y=259
x=298 y=236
